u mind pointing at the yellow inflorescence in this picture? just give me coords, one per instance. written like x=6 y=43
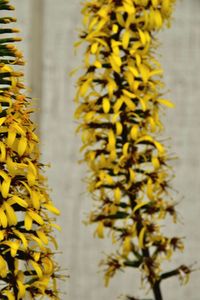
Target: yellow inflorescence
x=27 y=266
x=119 y=97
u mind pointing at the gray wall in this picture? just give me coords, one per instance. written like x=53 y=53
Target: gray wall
x=49 y=29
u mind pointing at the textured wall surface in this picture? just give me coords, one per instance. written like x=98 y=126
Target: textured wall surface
x=49 y=29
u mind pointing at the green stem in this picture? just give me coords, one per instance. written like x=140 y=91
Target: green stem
x=157 y=291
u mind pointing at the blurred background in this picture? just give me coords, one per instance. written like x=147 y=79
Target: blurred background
x=49 y=29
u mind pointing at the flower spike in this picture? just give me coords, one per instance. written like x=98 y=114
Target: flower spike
x=119 y=98
x=27 y=265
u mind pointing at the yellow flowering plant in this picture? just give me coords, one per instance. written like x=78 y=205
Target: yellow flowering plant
x=27 y=265
x=119 y=96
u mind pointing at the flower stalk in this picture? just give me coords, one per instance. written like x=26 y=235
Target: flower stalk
x=120 y=96
x=27 y=264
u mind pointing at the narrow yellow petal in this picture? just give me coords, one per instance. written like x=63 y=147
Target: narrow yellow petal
x=155 y=162
x=2 y=152
x=125 y=39
x=142 y=36
x=119 y=128
x=22 y=237
x=36 y=217
x=150 y=189
x=42 y=236
x=11 y=216
x=35 y=198
x=5 y=187
x=11 y=137
x=17 y=200
x=134 y=132
x=28 y=222
x=9 y=294
x=52 y=208
x=22 y=145
x=94 y=48
x=2 y=120
x=166 y=102
x=21 y=290
x=141 y=238
x=3 y=218
x=100 y=230
x=3 y=267
x=140 y=205
x=37 y=268
x=127 y=245
x=117 y=195
x=106 y=105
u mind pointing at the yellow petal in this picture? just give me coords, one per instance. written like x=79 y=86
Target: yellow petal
x=115 y=28
x=3 y=267
x=22 y=237
x=106 y=105
x=36 y=217
x=94 y=48
x=155 y=162
x=150 y=189
x=21 y=290
x=42 y=236
x=36 y=256
x=37 y=268
x=35 y=198
x=11 y=216
x=111 y=140
x=52 y=208
x=9 y=294
x=142 y=36
x=144 y=70
x=119 y=128
x=117 y=195
x=47 y=265
x=11 y=137
x=3 y=218
x=38 y=241
x=134 y=132
x=100 y=230
x=141 y=238
x=98 y=64
x=127 y=245
x=2 y=120
x=129 y=103
x=118 y=104
x=158 y=19
x=166 y=102
x=5 y=187
x=3 y=152
x=28 y=222
x=125 y=149
x=129 y=94
x=14 y=246
x=125 y=39
x=132 y=175
x=160 y=148
x=15 y=199
x=22 y=145
x=2 y=233
x=19 y=129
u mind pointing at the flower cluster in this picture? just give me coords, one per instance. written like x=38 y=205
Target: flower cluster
x=27 y=266
x=119 y=100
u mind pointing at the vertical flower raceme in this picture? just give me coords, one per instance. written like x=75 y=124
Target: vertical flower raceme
x=27 y=266
x=119 y=100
